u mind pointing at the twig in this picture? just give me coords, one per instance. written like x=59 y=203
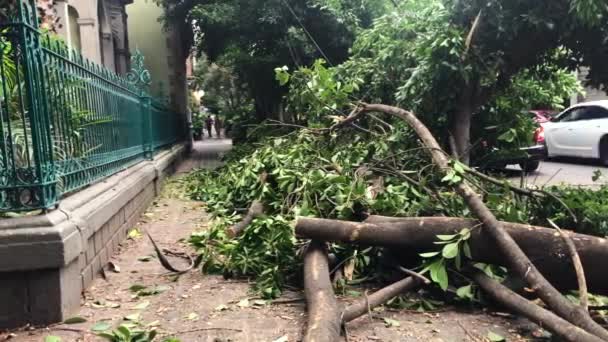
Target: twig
x=547 y=193
x=203 y=329
x=165 y=263
x=424 y=279
x=287 y=301
x=473 y=337
x=69 y=329
x=369 y=308
x=551 y=178
x=578 y=267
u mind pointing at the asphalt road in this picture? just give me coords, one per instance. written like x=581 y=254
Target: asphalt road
x=562 y=171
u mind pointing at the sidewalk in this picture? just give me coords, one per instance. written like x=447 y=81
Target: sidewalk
x=206 y=154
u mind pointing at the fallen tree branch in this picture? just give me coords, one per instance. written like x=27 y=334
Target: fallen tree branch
x=256 y=209
x=537 y=314
x=324 y=319
x=419 y=234
x=518 y=262
x=578 y=267
x=165 y=262
x=363 y=305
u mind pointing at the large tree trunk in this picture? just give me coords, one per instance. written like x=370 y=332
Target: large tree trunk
x=543 y=246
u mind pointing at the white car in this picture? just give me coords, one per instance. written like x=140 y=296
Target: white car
x=579 y=131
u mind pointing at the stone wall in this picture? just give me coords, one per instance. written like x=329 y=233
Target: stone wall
x=47 y=261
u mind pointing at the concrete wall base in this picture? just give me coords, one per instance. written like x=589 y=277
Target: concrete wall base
x=47 y=261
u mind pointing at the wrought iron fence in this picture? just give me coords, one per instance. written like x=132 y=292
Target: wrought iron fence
x=66 y=122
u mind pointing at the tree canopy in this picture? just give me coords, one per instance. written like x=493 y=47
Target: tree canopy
x=449 y=60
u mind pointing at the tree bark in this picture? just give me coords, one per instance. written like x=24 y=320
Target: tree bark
x=256 y=209
x=518 y=261
x=365 y=304
x=543 y=246
x=460 y=125
x=535 y=313
x=323 y=310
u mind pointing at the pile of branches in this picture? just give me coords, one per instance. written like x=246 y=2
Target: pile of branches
x=546 y=260
x=513 y=245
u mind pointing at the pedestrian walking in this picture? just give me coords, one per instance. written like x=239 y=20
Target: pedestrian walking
x=218 y=126
x=209 y=124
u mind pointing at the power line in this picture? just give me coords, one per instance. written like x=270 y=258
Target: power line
x=293 y=13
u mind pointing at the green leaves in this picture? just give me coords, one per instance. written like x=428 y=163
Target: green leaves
x=101 y=326
x=450 y=251
x=454 y=245
x=494 y=337
x=465 y=292
x=439 y=274
x=75 y=320
x=282 y=75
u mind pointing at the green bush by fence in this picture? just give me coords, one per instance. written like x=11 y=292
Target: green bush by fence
x=66 y=122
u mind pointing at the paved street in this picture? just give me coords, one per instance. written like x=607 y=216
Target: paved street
x=569 y=171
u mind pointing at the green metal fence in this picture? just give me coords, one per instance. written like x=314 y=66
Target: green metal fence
x=66 y=122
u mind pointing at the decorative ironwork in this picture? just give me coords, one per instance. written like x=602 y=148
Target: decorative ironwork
x=139 y=75
x=65 y=121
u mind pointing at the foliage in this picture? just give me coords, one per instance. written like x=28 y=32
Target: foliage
x=254 y=37
x=320 y=94
x=589 y=205
x=224 y=94
x=343 y=177
x=127 y=333
x=455 y=248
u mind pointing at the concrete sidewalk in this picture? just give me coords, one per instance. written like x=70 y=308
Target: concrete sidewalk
x=206 y=154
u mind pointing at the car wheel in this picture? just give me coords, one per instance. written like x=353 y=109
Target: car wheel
x=604 y=151
x=530 y=165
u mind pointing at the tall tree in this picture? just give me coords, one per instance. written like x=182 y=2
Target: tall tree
x=447 y=59
x=256 y=36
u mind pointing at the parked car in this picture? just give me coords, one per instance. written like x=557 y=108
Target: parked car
x=529 y=157
x=579 y=131
x=540 y=116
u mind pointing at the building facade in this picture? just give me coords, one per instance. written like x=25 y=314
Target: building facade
x=96 y=28
x=107 y=32
x=591 y=94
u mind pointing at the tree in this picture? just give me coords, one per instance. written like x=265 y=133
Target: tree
x=448 y=60
x=224 y=94
x=254 y=37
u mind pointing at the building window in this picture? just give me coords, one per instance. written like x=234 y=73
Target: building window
x=73 y=29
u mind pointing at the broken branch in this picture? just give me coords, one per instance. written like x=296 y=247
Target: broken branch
x=419 y=234
x=322 y=306
x=256 y=209
x=543 y=317
x=363 y=305
x=165 y=262
x=516 y=258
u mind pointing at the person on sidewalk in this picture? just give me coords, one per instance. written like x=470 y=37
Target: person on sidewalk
x=218 y=126
x=209 y=124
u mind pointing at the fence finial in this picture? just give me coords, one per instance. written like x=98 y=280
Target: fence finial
x=139 y=75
